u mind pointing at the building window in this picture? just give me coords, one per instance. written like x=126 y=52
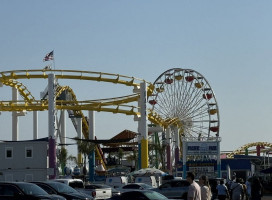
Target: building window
x=28 y=152
x=9 y=152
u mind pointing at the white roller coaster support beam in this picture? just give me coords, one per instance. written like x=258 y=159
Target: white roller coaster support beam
x=35 y=125
x=91 y=125
x=143 y=126
x=218 y=158
x=51 y=126
x=184 y=158
x=15 y=119
x=168 y=149
x=92 y=153
x=63 y=127
x=79 y=135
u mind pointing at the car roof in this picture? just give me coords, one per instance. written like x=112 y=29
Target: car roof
x=15 y=183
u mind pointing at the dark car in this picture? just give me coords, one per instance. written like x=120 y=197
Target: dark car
x=175 y=189
x=53 y=187
x=139 y=195
x=24 y=191
x=137 y=186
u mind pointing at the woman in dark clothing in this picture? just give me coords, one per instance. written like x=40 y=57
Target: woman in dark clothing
x=256 y=189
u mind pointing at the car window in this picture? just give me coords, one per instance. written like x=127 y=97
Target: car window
x=90 y=187
x=183 y=183
x=133 y=196
x=47 y=189
x=154 y=195
x=131 y=186
x=61 y=188
x=146 y=186
x=166 y=185
x=8 y=190
x=176 y=184
x=76 y=184
x=31 y=189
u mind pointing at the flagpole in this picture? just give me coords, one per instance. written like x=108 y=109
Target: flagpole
x=54 y=60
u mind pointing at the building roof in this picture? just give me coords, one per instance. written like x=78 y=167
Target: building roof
x=45 y=139
x=124 y=137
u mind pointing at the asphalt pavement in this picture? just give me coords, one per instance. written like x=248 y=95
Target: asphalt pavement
x=267 y=197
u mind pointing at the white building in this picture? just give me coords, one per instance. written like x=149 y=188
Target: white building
x=24 y=160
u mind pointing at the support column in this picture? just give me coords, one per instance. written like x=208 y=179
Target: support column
x=63 y=127
x=218 y=158
x=15 y=119
x=51 y=126
x=184 y=158
x=63 y=135
x=143 y=126
x=168 y=150
x=35 y=125
x=79 y=135
x=92 y=153
x=177 y=143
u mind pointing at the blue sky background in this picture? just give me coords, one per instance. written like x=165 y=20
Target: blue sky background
x=229 y=42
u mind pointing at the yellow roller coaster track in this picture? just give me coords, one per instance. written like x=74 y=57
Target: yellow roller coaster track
x=24 y=92
x=114 y=105
x=242 y=149
x=85 y=125
x=75 y=74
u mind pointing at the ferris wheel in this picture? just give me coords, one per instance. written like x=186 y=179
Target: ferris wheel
x=186 y=96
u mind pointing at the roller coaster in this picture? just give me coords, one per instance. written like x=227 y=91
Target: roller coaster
x=246 y=149
x=180 y=100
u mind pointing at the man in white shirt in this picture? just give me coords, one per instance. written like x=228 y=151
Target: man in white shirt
x=194 y=192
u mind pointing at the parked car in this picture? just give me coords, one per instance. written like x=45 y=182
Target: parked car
x=24 y=191
x=135 y=186
x=149 y=180
x=97 y=191
x=175 y=189
x=115 y=192
x=140 y=195
x=117 y=181
x=53 y=187
x=74 y=183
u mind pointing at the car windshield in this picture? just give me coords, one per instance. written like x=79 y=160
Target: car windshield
x=31 y=189
x=61 y=187
x=146 y=186
x=154 y=195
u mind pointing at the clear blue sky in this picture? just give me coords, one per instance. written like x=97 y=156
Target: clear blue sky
x=229 y=42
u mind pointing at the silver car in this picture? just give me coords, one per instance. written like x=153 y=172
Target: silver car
x=174 y=189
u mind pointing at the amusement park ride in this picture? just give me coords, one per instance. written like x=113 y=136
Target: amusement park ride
x=180 y=105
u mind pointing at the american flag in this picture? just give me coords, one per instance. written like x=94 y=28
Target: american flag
x=49 y=56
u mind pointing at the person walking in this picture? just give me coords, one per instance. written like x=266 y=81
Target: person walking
x=194 y=192
x=237 y=190
x=205 y=188
x=256 y=189
x=248 y=186
x=222 y=191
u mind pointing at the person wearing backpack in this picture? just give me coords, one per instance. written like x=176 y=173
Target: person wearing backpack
x=236 y=190
x=222 y=191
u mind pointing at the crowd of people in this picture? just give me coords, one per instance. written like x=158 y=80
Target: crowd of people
x=235 y=189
